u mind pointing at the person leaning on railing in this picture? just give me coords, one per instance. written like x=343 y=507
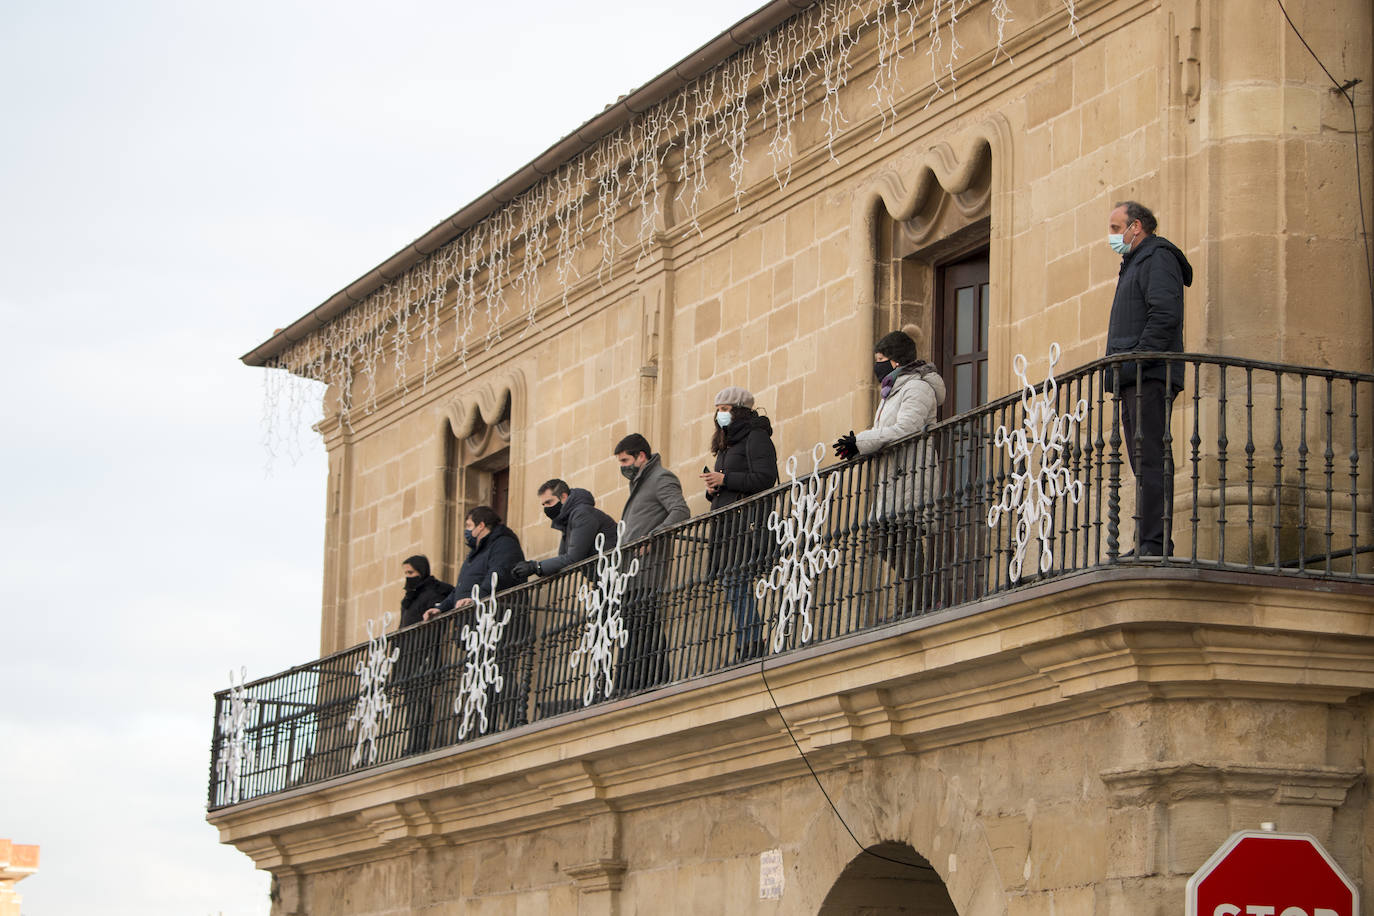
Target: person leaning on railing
x=492 y=548
x=910 y=395
x=746 y=463
x=1147 y=315
x=572 y=512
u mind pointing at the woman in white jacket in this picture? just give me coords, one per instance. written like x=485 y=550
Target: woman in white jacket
x=905 y=477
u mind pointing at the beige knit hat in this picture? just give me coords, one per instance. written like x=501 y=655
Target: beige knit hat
x=735 y=396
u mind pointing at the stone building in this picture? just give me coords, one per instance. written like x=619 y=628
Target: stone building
x=1077 y=739
x=17 y=862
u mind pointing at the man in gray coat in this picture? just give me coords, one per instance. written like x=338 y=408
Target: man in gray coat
x=656 y=502
x=656 y=499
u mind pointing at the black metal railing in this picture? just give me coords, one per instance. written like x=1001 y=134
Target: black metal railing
x=1263 y=471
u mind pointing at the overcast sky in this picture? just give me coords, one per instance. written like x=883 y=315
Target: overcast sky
x=177 y=179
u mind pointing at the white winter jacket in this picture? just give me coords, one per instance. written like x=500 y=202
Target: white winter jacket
x=905 y=476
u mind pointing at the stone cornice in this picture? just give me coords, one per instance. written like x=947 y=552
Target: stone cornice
x=1055 y=653
x=1171 y=781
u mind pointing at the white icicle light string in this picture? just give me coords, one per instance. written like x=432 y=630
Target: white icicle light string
x=493 y=268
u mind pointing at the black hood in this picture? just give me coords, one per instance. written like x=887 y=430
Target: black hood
x=738 y=429
x=577 y=497
x=1158 y=246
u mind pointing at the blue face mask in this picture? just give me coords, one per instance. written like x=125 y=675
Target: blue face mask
x=1118 y=242
x=470 y=539
x=722 y=418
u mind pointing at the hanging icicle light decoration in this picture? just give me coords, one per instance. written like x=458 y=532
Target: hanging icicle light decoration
x=616 y=185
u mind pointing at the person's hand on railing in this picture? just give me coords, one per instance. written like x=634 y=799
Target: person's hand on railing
x=847 y=446
x=525 y=568
x=435 y=612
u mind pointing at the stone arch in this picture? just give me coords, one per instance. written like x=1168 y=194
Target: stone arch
x=888 y=879
x=903 y=802
x=474 y=417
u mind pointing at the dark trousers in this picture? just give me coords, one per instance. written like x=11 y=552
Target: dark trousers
x=739 y=592
x=514 y=660
x=643 y=662
x=1145 y=416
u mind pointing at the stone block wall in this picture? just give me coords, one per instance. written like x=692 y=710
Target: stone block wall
x=1228 y=133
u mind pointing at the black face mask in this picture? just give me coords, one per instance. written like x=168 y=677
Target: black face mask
x=552 y=511
x=882 y=368
x=413 y=582
x=470 y=539
x=629 y=471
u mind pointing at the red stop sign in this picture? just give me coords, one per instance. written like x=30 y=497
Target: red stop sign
x=1271 y=874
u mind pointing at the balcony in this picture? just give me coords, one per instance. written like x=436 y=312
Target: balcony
x=1263 y=464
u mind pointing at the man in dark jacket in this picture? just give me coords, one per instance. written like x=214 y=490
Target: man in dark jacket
x=655 y=502
x=572 y=513
x=492 y=548
x=1147 y=316
x=422 y=591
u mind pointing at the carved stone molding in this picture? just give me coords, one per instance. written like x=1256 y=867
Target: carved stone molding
x=1172 y=781
x=598 y=876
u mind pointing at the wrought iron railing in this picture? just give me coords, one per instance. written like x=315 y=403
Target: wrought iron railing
x=1265 y=468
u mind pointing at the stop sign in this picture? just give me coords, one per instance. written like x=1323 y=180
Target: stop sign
x=1271 y=874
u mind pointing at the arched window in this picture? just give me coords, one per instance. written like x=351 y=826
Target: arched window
x=482 y=462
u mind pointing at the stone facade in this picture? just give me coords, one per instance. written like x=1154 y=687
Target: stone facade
x=17 y=862
x=1077 y=751
x=1081 y=750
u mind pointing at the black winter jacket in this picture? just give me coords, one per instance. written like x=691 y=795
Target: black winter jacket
x=1147 y=310
x=580 y=521
x=750 y=461
x=740 y=540
x=421 y=594
x=496 y=553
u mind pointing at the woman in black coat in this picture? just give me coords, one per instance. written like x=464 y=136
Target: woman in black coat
x=746 y=463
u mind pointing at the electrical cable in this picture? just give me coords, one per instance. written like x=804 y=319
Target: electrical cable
x=863 y=849
x=1344 y=89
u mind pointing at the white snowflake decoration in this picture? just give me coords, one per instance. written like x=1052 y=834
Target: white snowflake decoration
x=373 y=705
x=801 y=557
x=233 y=730
x=480 y=671
x=605 y=628
x=1037 y=449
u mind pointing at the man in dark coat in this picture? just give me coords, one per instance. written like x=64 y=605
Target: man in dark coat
x=492 y=548
x=422 y=591
x=1147 y=315
x=572 y=513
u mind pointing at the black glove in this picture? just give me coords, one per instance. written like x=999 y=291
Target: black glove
x=846 y=446
x=524 y=569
